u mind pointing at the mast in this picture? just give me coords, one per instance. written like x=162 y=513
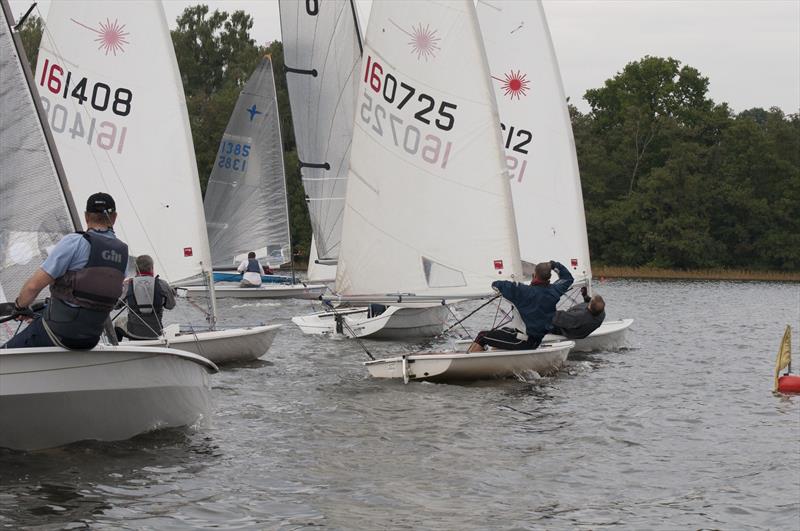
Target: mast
x=283 y=166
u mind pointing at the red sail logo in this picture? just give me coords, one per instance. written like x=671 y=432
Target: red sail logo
x=424 y=42
x=111 y=36
x=514 y=84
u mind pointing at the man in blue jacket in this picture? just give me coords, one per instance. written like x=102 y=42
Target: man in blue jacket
x=536 y=305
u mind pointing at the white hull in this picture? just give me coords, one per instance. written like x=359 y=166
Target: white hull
x=265 y=291
x=612 y=335
x=51 y=396
x=461 y=366
x=397 y=322
x=222 y=346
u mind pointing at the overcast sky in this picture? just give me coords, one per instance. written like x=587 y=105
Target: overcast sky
x=749 y=49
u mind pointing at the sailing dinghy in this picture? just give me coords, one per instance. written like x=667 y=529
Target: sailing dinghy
x=322 y=50
x=112 y=92
x=246 y=207
x=540 y=151
x=427 y=193
x=50 y=396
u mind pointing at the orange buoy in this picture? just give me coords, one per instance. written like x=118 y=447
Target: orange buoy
x=789 y=383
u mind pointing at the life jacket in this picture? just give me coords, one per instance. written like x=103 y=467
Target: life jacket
x=253 y=266
x=146 y=302
x=81 y=300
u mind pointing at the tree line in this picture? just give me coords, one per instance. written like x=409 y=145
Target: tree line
x=670 y=178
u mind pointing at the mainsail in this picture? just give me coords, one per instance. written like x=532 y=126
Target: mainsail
x=322 y=53
x=35 y=212
x=428 y=207
x=537 y=135
x=110 y=85
x=245 y=204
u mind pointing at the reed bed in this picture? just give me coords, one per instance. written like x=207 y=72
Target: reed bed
x=695 y=274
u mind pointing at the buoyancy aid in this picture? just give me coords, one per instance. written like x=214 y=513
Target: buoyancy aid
x=253 y=266
x=81 y=300
x=146 y=301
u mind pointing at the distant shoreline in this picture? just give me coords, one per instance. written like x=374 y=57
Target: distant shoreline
x=656 y=273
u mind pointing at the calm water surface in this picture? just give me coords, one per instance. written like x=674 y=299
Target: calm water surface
x=679 y=431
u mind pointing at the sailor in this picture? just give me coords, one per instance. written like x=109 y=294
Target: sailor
x=535 y=305
x=251 y=271
x=85 y=271
x=582 y=319
x=146 y=296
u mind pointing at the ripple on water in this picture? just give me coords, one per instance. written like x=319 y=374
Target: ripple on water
x=679 y=431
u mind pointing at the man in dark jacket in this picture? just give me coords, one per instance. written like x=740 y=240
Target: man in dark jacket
x=582 y=319
x=536 y=305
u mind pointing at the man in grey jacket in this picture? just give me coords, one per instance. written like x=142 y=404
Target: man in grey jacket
x=582 y=319
x=146 y=297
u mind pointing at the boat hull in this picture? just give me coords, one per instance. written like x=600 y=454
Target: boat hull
x=265 y=291
x=396 y=323
x=51 y=396
x=222 y=346
x=461 y=366
x=612 y=335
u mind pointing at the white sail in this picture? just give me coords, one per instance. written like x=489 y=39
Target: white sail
x=110 y=85
x=322 y=53
x=34 y=211
x=537 y=135
x=245 y=203
x=319 y=272
x=428 y=207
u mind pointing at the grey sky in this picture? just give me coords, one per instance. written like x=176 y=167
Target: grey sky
x=749 y=49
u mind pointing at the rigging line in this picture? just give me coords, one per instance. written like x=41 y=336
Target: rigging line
x=131 y=312
x=197 y=307
x=470 y=314
x=458 y=322
x=494 y=321
x=343 y=319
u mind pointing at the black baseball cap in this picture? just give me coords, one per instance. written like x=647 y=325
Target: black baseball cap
x=101 y=202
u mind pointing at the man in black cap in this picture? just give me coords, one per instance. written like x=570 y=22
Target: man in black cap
x=85 y=272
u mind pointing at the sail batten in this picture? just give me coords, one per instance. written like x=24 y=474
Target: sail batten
x=537 y=135
x=428 y=208
x=245 y=203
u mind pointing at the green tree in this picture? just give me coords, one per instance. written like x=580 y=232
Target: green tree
x=31 y=35
x=635 y=107
x=216 y=56
x=672 y=179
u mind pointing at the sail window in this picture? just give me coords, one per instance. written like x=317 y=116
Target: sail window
x=441 y=276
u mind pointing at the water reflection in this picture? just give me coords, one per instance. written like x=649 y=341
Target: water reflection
x=80 y=482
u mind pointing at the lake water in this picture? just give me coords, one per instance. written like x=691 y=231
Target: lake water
x=680 y=431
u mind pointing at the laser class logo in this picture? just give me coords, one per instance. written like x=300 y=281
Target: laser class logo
x=514 y=84
x=253 y=112
x=111 y=36
x=424 y=42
